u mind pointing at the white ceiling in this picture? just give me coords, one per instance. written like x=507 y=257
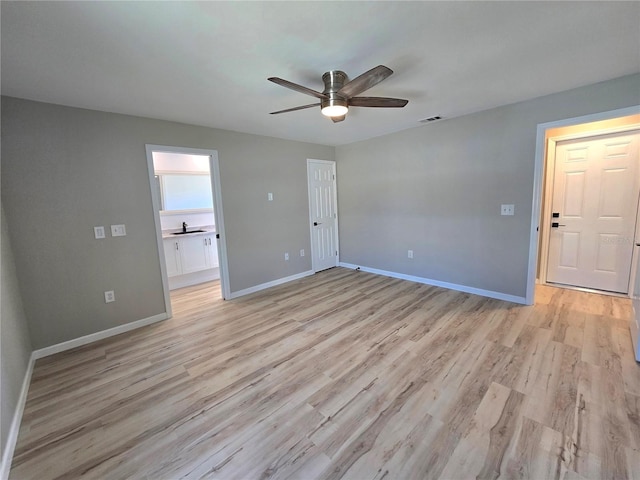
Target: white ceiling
x=206 y=63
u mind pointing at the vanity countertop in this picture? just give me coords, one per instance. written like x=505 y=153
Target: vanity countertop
x=191 y=231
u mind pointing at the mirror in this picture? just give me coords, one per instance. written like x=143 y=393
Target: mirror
x=180 y=192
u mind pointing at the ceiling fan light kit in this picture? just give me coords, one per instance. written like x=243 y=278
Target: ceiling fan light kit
x=335 y=108
x=334 y=105
x=337 y=97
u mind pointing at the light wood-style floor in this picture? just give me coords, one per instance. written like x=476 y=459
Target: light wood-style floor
x=345 y=374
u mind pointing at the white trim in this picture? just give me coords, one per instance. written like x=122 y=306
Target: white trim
x=538 y=178
x=214 y=171
x=264 y=286
x=635 y=260
x=94 y=337
x=546 y=204
x=155 y=202
x=218 y=213
x=335 y=202
x=12 y=438
x=438 y=283
x=634 y=327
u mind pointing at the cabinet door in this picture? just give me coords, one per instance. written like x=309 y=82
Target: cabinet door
x=172 y=257
x=212 y=251
x=193 y=253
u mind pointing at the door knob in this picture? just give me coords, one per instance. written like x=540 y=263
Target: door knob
x=556 y=225
x=315 y=224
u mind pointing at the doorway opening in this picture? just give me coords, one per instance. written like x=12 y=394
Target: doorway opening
x=577 y=239
x=185 y=188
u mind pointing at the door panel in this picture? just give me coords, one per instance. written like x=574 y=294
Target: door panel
x=595 y=192
x=323 y=214
x=172 y=257
x=574 y=194
x=193 y=254
x=611 y=197
x=606 y=254
x=570 y=247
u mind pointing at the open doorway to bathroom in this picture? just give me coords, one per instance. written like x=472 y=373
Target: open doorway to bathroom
x=185 y=187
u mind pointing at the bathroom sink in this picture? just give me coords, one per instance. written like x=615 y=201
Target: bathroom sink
x=190 y=231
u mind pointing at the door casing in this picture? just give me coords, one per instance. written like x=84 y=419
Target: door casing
x=536 y=234
x=214 y=168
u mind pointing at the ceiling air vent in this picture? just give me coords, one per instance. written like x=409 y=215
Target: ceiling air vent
x=431 y=119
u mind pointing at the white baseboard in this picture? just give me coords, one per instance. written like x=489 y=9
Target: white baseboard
x=12 y=438
x=264 y=286
x=438 y=283
x=94 y=337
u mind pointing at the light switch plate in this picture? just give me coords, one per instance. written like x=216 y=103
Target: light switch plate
x=98 y=232
x=270 y=196
x=507 y=209
x=118 y=231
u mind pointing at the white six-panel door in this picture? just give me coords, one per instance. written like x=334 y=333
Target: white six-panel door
x=323 y=214
x=595 y=200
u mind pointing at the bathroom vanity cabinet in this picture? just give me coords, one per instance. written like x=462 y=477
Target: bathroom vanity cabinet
x=190 y=253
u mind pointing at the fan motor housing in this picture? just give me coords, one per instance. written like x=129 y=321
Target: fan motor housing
x=333 y=80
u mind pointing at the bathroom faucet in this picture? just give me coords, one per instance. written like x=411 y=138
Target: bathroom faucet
x=184 y=227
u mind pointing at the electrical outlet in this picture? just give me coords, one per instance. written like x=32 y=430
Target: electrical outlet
x=302 y=252
x=506 y=209
x=286 y=256
x=98 y=232
x=409 y=253
x=109 y=296
x=270 y=196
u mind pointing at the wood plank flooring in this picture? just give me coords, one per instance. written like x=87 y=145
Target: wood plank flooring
x=348 y=375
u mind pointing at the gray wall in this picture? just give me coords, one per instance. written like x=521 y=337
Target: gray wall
x=65 y=170
x=437 y=190
x=15 y=346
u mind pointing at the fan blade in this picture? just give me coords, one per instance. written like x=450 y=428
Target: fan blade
x=365 y=81
x=302 y=107
x=381 y=102
x=296 y=87
x=338 y=119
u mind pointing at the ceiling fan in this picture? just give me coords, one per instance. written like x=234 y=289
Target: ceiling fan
x=338 y=96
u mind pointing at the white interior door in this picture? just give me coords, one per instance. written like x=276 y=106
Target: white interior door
x=323 y=214
x=595 y=198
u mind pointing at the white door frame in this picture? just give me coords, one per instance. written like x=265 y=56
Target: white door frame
x=214 y=168
x=545 y=230
x=539 y=177
x=335 y=200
